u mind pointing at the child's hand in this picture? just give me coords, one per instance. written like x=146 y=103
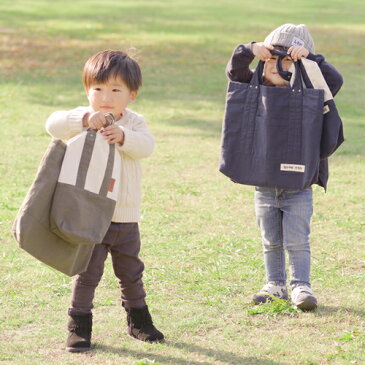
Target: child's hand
x=297 y=52
x=261 y=51
x=94 y=120
x=113 y=134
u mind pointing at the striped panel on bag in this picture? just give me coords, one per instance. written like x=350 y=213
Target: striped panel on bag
x=95 y=167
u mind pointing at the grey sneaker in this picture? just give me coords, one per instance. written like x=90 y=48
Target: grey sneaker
x=268 y=291
x=302 y=297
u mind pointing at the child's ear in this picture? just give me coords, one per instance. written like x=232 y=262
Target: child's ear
x=133 y=95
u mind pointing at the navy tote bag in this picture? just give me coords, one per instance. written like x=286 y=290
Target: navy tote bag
x=271 y=136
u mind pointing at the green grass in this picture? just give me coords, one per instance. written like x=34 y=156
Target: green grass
x=273 y=308
x=201 y=245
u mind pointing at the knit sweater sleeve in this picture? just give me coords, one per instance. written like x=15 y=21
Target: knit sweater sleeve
x=65 y=124
x=138 y=141
x=238 y=66
x=333 y=78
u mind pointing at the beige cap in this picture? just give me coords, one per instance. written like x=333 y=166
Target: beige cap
x=288 y=35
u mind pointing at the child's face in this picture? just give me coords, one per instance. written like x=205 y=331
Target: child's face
x=111 y=97
x=271 y=73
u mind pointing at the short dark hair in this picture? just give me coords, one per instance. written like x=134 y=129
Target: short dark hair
x=106 y=64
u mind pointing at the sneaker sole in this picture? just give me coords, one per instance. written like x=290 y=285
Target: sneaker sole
x=307 y=305
x=265 y=299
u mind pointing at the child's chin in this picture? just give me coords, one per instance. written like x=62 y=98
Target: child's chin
x=280 y=82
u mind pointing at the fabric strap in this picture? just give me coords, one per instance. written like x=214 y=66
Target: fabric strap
x=86 y=154
x=108 y=172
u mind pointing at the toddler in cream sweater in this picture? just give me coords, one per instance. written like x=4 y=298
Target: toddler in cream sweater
x=111 y=80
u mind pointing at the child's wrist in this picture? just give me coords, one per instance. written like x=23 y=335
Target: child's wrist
x=122 y=140
x=85 y=120
x=123 y=136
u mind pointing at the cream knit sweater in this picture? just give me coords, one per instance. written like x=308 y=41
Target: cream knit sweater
x=138 y=143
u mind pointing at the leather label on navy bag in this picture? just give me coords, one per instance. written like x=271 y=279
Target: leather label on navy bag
x=291 y=167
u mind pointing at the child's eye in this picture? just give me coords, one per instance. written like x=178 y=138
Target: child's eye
x=97 y=88
x=115 y=90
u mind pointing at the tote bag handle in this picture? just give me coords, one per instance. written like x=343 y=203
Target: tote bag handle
x=86 y=158
x=300 y=72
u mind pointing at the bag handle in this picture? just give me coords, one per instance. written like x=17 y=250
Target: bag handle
x=86 y=158
x=110 y=120
x=286 y=75
x=110 y=164
x=109 y=117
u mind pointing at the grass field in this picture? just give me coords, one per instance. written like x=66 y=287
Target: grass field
x=201 y=245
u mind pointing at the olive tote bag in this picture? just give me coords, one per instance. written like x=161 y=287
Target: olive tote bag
x=31 y=227
x=87 y=189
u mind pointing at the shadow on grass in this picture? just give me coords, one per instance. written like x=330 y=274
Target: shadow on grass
x=328 y=310
x=205 y=128
x=214 y=355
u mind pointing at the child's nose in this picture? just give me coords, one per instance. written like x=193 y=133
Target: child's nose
x=106 y=96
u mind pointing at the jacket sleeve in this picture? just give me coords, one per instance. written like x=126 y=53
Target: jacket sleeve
x=65 y=124
x=238 y=66
x=333 y=78
x=138 y=141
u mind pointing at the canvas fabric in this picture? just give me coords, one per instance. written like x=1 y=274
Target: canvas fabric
x=87 y=189
x=31 y=226
x=271 y=135
x=332 y=131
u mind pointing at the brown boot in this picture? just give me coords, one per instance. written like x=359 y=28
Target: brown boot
x=79 y=337
x=140 y=325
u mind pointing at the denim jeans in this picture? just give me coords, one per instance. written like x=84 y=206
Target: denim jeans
x=284 y=220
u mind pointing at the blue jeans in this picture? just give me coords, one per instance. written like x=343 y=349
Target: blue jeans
x=284 y=219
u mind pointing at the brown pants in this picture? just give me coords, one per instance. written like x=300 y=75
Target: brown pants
x=122 y=240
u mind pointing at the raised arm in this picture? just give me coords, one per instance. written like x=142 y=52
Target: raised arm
x=64 y=124
x=238 y=66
